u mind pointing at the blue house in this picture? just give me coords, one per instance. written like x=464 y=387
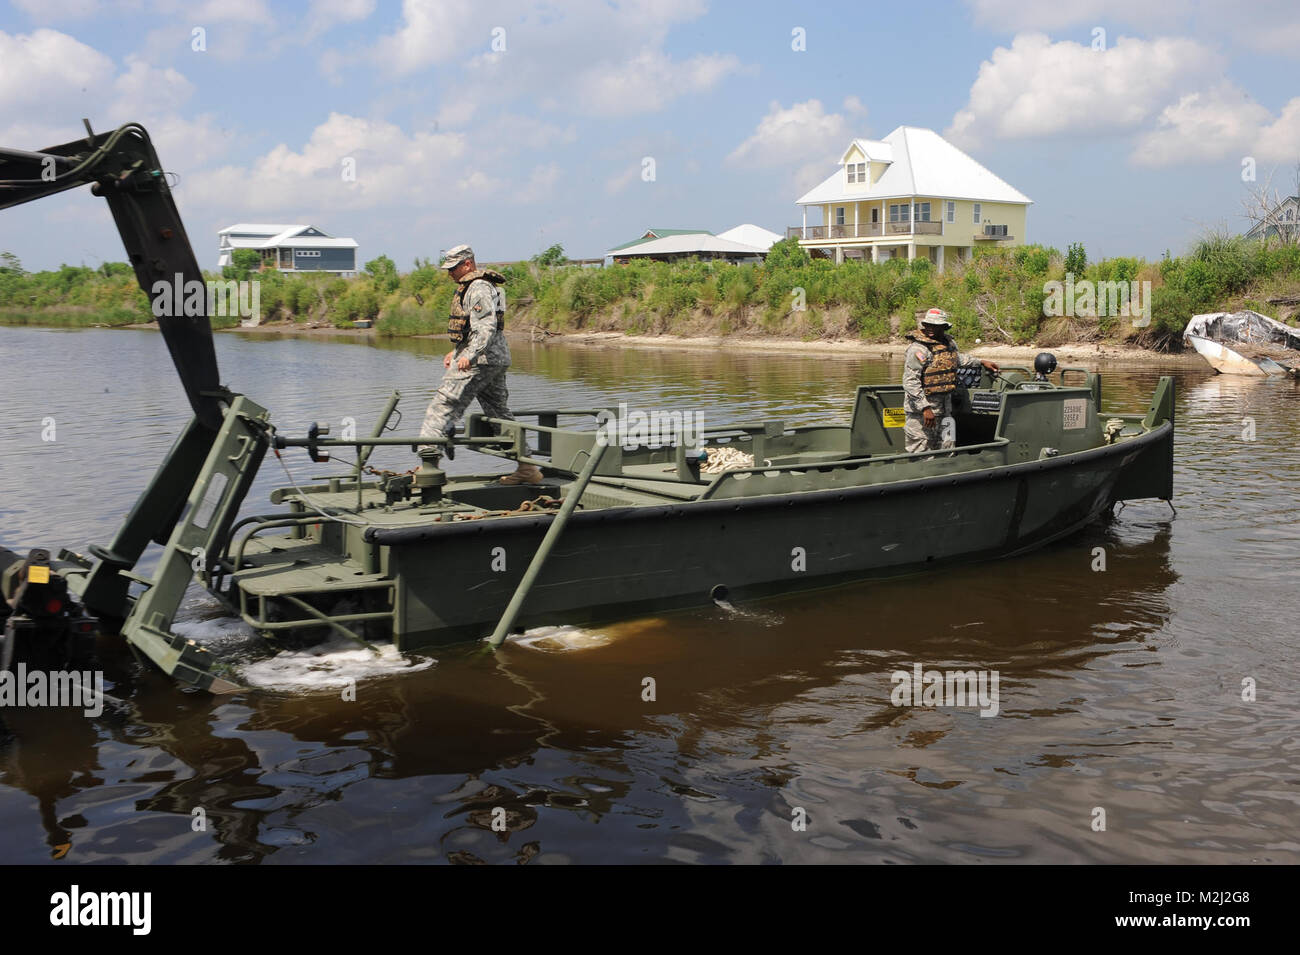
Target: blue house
x=290 y=248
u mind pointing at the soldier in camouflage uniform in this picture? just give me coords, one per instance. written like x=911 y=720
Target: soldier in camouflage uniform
x=476 y=365
x=929 y=379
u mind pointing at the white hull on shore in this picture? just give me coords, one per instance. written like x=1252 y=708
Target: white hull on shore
x=1224 y=360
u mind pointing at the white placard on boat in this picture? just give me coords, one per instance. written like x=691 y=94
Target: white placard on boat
x=1075 y=412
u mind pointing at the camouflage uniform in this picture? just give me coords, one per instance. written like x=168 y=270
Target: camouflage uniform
x=489 y=358
x=917 y=436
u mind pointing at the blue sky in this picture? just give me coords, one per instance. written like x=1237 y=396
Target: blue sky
x=1132 y=150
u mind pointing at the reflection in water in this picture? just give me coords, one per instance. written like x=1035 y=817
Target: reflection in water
x=1119 y=688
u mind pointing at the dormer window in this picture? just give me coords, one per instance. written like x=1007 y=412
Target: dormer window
x=857 y=171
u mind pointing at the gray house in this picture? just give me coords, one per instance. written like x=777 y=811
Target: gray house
x=1281 y=222
x=290 y=248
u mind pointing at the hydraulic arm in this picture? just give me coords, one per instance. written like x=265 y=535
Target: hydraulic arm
x=193 y=497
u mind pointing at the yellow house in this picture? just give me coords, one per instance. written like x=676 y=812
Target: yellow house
x=912 y=194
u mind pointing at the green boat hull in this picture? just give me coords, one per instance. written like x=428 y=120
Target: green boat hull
x=624 y=562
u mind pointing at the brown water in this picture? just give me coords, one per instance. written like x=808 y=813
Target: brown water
x=1119 y=689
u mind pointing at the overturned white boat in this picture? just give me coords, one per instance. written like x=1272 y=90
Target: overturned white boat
x=1245 y=343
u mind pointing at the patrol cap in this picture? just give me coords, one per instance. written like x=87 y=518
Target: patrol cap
x=454 y=257
x=936 y=317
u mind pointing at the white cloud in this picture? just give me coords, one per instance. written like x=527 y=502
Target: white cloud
x=325 y=15
x=230 y=11
x=1202 y=127
x=649 y=81
x=587 y=55
x=616 y=184
x=1020 y=15
x=1221 y=123
x=1039 y=88
x=1280 y=140
x=784 y=136
x=1266 y=25
x=48 y=67
x=146 y=89
x=47 y=10
x=392 y=168
x=46 y=77
x=479 y=184
x=541 y=183
x=532 y=133
x=431 y=33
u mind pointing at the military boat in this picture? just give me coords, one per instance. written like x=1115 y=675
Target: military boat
x=619 y=527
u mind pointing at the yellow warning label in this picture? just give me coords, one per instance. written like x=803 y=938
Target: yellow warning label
x=893 y=417
x=38 y=575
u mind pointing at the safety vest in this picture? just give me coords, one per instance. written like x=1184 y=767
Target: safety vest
x=940 y=375
x=458 y=319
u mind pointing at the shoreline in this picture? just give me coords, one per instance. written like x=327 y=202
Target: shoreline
x=1088 y=351
x=750 y=343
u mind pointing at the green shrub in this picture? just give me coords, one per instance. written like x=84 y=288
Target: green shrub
x=785 y=254
x=1076 y=260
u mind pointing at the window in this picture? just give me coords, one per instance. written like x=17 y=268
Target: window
x=921 y=211
x=977 y=213
x=951 y=215
x=307 y=253
x=839 y=215
x=900 y=212
x=857 y=171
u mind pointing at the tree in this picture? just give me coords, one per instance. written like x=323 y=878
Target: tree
x=785 y=254
x=550 y=257
x=1076 y=259
x=1268 y=212
x=9 y=263
x=242 y=262
x=384 y=271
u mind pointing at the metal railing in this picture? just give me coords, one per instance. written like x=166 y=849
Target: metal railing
x=863 y=230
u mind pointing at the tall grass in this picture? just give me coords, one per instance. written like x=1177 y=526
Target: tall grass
x=997 y=296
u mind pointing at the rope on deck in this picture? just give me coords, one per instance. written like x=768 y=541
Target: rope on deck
x=726 y=459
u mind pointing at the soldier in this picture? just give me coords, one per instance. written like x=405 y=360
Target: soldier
x=476 y=365
x=929 y=379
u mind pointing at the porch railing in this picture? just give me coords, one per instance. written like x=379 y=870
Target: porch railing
x=863 y=230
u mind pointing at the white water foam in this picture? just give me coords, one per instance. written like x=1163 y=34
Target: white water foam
x=561 y=639
x=332 y=665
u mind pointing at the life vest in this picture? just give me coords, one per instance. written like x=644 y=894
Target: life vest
x=458 y=319
x=940 y=375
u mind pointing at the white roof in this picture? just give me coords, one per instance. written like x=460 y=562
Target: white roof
x=923 y=163
x=874 y=149
x=750 y=234
x=255 y=243
x=290 y=236
x=265 y=235
x=259 y=228
x=686 y=244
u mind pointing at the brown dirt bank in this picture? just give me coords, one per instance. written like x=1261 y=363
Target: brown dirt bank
x=752 y=342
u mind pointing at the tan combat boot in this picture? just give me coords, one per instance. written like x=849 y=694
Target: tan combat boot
x=524 y=474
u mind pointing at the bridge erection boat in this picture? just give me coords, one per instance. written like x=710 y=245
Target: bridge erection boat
x=619 y=527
